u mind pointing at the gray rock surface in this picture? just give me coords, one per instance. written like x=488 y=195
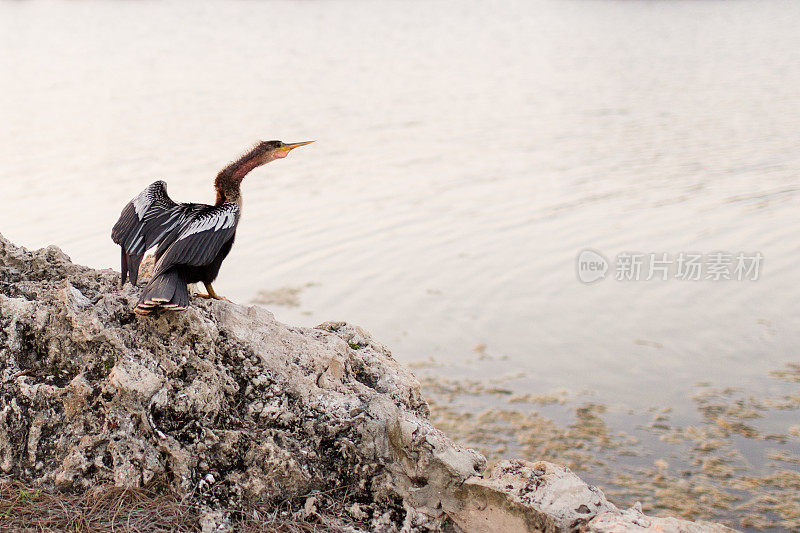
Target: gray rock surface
x=226 y=405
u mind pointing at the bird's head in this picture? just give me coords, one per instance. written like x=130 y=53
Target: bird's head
x=266 y=151
x=262 y=153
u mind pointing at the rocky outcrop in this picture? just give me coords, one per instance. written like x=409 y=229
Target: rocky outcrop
x=225 y=405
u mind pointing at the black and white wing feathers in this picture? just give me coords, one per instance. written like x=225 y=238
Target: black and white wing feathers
x=200 y=240
x=147 y=220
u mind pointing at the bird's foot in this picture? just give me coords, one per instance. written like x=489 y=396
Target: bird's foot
x=212 y=297
x=212 y=294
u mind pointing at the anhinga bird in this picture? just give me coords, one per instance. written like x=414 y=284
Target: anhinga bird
x=192 y=239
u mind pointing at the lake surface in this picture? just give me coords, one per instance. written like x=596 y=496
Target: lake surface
x=466 y=153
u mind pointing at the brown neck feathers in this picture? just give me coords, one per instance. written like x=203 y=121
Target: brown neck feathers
x=229 y=180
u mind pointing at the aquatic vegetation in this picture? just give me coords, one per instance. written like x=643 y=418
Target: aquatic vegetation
x=734 y=462
x=282 y=296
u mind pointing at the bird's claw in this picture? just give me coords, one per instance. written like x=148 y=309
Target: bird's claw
x=212 y=297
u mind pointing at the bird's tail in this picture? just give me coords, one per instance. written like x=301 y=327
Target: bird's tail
x=167 y=290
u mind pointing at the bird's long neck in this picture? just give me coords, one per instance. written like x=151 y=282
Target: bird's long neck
x=229 y=180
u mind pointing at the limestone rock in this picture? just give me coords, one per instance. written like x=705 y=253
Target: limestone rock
x=226 y=405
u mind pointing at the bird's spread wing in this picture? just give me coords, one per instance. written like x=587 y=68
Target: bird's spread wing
x=201 y=238
x=149 y=219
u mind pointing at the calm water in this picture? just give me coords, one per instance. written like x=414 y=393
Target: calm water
x=467 y=151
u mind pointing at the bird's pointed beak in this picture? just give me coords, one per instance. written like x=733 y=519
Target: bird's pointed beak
x=291 y=146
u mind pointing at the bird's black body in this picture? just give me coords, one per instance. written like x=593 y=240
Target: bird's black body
x=207 y=273
x=192 y=239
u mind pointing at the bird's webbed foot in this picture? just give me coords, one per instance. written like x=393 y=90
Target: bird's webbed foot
x=212 y=294
x=210 y=297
